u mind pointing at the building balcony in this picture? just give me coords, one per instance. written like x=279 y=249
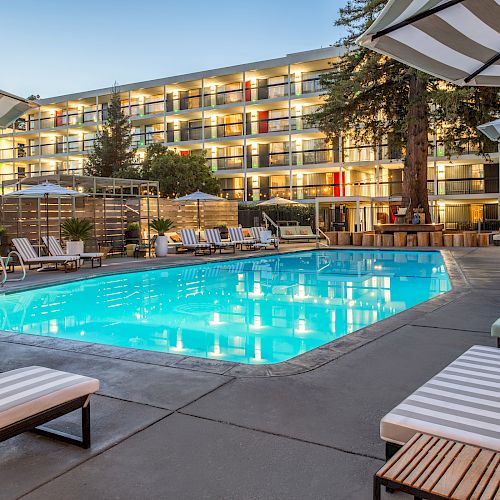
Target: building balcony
x=457 y=187
x=210 y=100
x=269 y=160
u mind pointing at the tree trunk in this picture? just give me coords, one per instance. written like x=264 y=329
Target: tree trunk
x=415 y=163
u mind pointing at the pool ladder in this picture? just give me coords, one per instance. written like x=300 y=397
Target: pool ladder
x=4 y=263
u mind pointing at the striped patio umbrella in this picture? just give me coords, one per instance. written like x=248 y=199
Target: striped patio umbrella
x=455 y=40
x=491 y=130
x=12 y=107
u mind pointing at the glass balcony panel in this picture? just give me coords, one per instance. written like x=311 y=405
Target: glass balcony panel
x=311 y=85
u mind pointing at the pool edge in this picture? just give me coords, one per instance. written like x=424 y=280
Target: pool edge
x=302 y=363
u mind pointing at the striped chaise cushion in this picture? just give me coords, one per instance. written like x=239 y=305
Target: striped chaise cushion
x=462 y=402
x=236 y=235
x=212 y=236
x=189 y=239
x=27 y=391
x=53 y=245
x=25 y=248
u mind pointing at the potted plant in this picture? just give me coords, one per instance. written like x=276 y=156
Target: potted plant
x=161 y=226
x=132 y=234
x=223 y=230
x=76 y=231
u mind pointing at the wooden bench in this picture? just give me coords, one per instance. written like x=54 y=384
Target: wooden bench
x=435 y=468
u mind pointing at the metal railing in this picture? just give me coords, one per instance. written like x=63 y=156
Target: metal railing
x=318 y=242
x=4 y=265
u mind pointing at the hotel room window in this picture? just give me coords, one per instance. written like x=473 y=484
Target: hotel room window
x=229 y=93
x=278 y=120
x=232 y=125
x=277 y=86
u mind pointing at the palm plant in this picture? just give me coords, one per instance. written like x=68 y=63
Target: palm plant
x=75 y=229
x=161 y=225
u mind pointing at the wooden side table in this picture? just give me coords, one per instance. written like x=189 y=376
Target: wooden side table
x=436 y=468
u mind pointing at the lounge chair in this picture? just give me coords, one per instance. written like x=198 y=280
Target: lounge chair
x=460 y=403
x=55 y=249
x=34 y=395
x=213 y=238
x=264 y=237
x=190 y=241
x=30 y=258
x=236 y=236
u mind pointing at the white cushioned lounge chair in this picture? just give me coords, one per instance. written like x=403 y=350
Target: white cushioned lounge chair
x=32 y=396
x=55 y=248
x=297 y=233
x=237 y=237
x=213 y=238
x=190 y=241
x=462 y=403
x=264 y=237
x=30 y=258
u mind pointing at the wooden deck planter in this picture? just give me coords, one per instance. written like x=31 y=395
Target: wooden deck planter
x=344 y=238
x=483 y=239
x=448 y=240
x=470 y=239
x=388 y=240
x=436 y=239
x=458 y=240
x=423 y=239
x=357 y=239
x=368 y=239
x=411 y=240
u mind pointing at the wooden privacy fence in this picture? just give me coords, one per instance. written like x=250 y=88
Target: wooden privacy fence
x=110 y=215
x=212 y=213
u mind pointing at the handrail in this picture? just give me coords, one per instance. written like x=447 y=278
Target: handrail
x=3 y=266
x=318 y=243
x=268 y=219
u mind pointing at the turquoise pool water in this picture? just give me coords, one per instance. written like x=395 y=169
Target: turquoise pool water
x=257 y=310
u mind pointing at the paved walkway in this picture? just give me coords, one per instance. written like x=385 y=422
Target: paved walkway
x=169 y=432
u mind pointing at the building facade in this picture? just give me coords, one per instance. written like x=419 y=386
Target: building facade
x=252 y=122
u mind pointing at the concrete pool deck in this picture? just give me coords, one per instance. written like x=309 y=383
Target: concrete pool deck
x=165 y=430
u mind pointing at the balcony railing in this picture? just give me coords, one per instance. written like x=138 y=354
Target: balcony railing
x=253 y=93
x=307 y=157
x=464 y=186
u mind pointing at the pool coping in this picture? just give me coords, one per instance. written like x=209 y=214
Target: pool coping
x=301 y=363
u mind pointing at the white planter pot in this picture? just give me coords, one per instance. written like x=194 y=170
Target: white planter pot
x=161 y=246
x=74 y=247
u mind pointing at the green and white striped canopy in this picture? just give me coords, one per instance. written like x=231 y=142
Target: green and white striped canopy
x=12 y=107
x=455 y=40
x=491 y=130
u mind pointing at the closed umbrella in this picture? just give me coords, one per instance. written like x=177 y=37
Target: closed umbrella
x=45 y=190
x=199 y=196
x=455 y=40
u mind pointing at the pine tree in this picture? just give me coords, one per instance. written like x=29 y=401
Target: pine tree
x=375 y=99
x=113 y=155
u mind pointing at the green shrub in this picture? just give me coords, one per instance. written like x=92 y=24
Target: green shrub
x=161 y=225
x=76 y=229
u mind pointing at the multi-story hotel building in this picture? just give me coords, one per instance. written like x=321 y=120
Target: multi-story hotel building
x=252 y=122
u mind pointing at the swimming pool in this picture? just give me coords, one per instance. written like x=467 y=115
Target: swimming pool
x=256 y=310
